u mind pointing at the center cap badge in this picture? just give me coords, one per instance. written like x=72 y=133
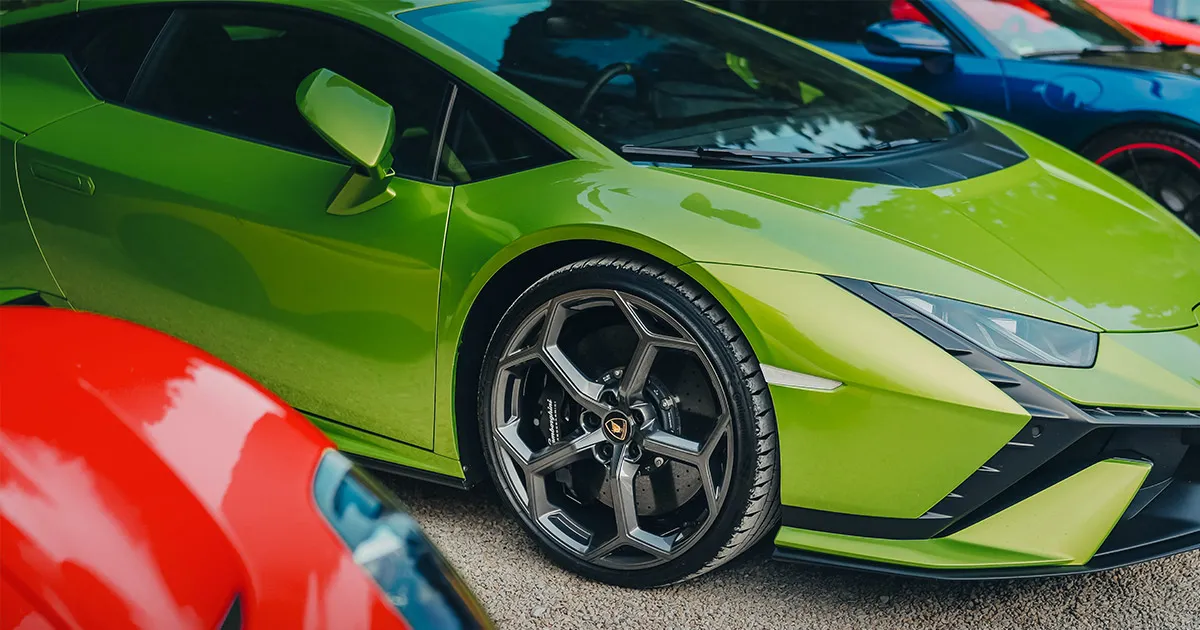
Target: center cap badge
x=616 y=427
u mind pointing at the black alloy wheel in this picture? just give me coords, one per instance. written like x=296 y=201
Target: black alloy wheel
x=631 y=439
x=1162 y=163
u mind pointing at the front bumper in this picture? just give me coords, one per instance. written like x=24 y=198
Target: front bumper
x=1077 y=489
x=1123 y=509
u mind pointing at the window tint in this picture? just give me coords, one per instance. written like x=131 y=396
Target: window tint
x=113 y=50
x=836 y=21
x=483 y=141
x=237 y=71
x=106 y=47
x=1187 y=10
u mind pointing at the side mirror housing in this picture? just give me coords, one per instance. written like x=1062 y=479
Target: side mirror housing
x=906 y=38
x=360 y=127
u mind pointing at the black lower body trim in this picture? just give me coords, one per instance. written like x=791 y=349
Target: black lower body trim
x=410 y=472
x=858 y=525
x=1102 y=562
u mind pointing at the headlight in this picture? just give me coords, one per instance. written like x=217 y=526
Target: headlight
x=390 y=547
x=1008 y=336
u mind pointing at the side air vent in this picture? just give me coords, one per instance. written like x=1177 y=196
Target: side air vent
x=1143 y=417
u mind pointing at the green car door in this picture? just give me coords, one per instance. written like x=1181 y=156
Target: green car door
x=194 y=200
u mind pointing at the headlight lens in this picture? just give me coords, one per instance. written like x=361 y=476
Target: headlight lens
x=1008 y=336
x=390 y=547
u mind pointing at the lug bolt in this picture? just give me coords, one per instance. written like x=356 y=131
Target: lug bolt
x=606 y=451
x=633 y=453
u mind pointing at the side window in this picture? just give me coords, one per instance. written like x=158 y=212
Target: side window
x=833 y=21
x=113 y=47
x=841 y=21
x=236 y=71
x=107 y=47
x=1186 y=10
x=483 y=142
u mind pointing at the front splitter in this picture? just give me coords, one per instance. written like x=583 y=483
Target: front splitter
x=1101 y=562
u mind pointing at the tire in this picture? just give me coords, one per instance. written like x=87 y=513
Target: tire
x=675 y=428
x=1163 y=163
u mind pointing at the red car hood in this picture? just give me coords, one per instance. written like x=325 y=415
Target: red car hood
x=203 y=480
x=94 y=526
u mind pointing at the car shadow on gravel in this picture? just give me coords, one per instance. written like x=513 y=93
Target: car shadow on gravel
x=522 y=588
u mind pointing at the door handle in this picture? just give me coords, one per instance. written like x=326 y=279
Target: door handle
x=63 y=178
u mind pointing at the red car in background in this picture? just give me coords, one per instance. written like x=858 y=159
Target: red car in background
x=1172 y=22
x=145 y=484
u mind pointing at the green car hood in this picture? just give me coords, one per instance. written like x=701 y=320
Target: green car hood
x=1054 y=226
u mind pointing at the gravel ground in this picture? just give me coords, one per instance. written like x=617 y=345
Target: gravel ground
x=522 y=589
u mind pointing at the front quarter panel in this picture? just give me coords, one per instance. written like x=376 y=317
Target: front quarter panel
x=875 y=446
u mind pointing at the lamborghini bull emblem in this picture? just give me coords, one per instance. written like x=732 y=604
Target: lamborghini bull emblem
x=616 y=427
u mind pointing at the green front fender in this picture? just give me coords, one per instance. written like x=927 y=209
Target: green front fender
x=876 y=445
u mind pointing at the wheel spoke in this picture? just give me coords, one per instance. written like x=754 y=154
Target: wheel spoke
x=621 y=474
x=585 y=391
x=558 y=455
x=635 y=320
x=633 y=381
x=597 y=551
x=723 y=425
x=674 y=447
x=514 y=445
x=653 y=544
x=1137 y=172
x=520 y=357
x=620 y=485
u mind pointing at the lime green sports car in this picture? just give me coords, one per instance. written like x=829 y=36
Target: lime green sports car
x=668 y=278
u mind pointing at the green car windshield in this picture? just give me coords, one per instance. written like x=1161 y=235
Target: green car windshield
x=676 y=75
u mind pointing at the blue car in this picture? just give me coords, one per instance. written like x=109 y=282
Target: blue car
x=1060 y=68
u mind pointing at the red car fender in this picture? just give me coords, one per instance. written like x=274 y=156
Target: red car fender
x=175 y=483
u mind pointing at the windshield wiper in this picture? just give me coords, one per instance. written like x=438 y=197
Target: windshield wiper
x=888 y=145
x=1079 y=52
x=739 y=156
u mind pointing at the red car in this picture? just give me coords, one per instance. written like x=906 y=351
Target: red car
x=145 y=484
x=1172 y=22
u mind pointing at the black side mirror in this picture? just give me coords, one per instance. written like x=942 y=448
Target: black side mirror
x=906 y=38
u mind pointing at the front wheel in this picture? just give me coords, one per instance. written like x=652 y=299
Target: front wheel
x=627 y=424
x=1164 y=164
